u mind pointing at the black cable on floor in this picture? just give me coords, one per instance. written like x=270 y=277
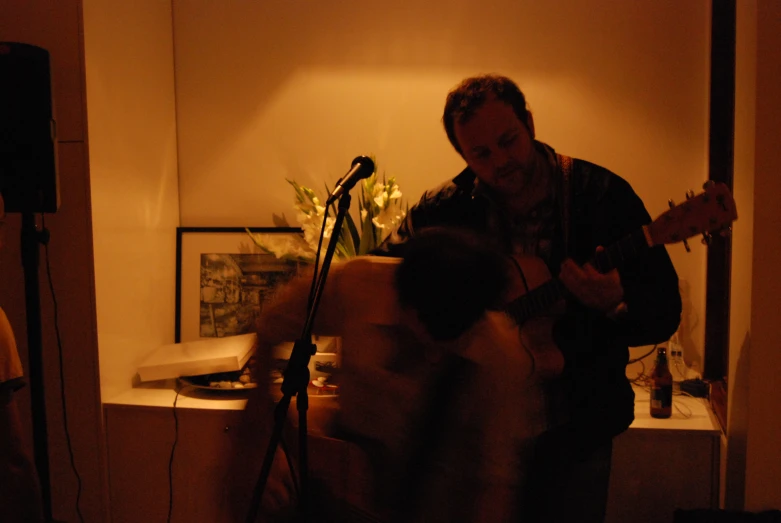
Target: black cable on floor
x=62 y=374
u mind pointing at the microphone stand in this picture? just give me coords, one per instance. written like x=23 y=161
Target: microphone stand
x=296 y=382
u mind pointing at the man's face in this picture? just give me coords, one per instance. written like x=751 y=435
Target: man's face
x=498 y=147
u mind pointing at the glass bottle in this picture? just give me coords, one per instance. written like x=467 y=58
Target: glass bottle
x=661 y=386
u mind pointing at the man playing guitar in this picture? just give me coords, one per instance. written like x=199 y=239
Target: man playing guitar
x=553 y=214
x=430 y=344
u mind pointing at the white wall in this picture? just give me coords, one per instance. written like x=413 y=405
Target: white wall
x=297 y=89
x=753 y=468
x=763 y=457
x=742 y=255
x=133 y=167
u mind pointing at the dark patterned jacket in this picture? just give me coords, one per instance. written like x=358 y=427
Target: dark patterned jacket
x=594 y=395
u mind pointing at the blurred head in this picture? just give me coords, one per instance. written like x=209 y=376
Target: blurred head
x=448 y=278
x=488 y=123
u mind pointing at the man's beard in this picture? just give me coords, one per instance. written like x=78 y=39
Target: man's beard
x=517 y=177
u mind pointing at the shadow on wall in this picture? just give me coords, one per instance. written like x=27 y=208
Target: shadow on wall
x=689 y=322
x=255 y=48
x=251 y=50
x=737 y=431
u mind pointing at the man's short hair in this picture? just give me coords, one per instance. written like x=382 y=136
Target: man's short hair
x=469 y=95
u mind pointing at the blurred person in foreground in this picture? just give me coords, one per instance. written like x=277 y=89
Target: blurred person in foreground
x=437 y=389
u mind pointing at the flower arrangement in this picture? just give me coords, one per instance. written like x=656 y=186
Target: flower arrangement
x=380 y=206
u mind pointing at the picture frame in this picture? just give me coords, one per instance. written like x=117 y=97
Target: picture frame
x=222 y=278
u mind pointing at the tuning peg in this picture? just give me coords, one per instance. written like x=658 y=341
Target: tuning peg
x=689 y=194
x=671 y=203
x=707 y=238
x=707 y=185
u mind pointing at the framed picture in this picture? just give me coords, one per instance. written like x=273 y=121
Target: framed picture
x=222 y=279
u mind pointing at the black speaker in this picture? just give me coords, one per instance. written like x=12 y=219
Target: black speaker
x=29 y=181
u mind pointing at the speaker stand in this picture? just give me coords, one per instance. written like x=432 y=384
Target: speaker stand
x=31 y=239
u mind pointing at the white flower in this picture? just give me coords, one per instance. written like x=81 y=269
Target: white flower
x=379 y=195
x=380 y=202
x=387 y=219
x=283 y=245
x=310 y=208
x=312 y=230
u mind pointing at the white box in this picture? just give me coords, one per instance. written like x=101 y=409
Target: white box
x=193 y=358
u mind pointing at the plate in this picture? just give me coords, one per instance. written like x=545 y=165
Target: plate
x=204 y=383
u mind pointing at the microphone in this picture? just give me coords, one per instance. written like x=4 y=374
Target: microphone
x=362 y=167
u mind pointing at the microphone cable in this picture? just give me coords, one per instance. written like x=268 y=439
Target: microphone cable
x=62 y=373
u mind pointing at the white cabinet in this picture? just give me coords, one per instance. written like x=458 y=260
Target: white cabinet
x=658 y=465
x=139 y=441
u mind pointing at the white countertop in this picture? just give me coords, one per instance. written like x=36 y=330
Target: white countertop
x=688 y=413
x=163 y=394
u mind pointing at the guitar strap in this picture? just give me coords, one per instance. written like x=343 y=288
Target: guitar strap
x=565 y=166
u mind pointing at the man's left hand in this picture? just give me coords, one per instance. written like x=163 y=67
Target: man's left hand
x=602 y=292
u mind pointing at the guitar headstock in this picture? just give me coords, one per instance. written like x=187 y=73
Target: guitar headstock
x=710 y=211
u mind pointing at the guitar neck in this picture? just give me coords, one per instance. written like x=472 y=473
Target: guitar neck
x=627 y=248
x=545 y=296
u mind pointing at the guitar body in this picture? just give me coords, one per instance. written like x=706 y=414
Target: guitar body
x=537 y=332
x=536 y=273
x=535 y=299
